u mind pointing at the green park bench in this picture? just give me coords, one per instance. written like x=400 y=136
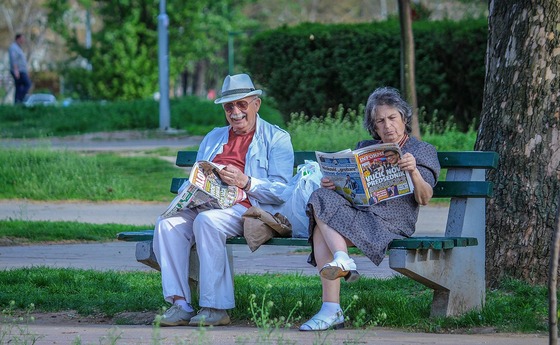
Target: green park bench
x=453 y=265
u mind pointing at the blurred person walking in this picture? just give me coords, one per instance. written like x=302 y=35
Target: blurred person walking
x=18 y=68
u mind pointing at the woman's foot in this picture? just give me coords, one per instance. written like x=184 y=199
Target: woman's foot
x=340 y=268
x=322 y=322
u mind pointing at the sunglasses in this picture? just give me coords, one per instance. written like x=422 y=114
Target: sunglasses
x=241 y=105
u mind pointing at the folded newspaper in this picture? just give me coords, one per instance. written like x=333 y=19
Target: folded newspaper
x=204 y=186
x=368 y=175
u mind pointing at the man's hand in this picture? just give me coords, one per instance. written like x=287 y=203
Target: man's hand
x=233 y=176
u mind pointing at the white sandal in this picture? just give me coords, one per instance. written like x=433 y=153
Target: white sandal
x=322 y=323
x=338 y=269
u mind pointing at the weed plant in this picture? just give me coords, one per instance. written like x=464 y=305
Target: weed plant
x=14 y=325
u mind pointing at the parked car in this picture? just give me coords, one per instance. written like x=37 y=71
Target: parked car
x=40 y=99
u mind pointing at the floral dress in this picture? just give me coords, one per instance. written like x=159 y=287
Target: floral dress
x=372 y=228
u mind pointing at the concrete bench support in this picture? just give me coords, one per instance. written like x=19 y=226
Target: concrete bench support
x=457 y=276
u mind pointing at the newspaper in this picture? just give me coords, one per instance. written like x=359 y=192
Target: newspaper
x=204 y=186
x=368 y=175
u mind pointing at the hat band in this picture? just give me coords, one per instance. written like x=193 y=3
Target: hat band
x=236 y=91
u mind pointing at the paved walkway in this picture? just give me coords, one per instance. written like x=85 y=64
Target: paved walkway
x=144 y=335
x=120 y=255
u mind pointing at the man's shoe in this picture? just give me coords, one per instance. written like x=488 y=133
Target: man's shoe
x=340 y=269
x=322 y=322
x=210 y=317
x=176 y=316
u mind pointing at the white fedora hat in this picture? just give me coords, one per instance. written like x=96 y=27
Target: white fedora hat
x=236 y=87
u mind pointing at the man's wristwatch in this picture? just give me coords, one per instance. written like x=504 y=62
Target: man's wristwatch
x=248 y=184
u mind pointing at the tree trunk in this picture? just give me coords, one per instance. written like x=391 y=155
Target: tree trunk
x=408 y=79
x=520 y=121
x=199 y=88
x=552 y=284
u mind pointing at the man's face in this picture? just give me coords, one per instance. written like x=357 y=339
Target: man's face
x=242 y=114
x=392 y=157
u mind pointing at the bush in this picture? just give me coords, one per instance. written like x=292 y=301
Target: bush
x=312 y=68
x=195 y=115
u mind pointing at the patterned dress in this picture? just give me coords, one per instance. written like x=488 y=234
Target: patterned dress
x=372 y=228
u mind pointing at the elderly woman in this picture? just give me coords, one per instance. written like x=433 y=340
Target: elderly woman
x=335 y=224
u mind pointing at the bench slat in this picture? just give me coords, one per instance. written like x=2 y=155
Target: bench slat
x=436 y=243
x=418 y=243
x=276 y=241
x=463 y=159
x=468 y=159
x=443 y=189
x=136 y=236
x=464 y=189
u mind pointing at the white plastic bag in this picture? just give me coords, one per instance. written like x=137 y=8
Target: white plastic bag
x=296 y=195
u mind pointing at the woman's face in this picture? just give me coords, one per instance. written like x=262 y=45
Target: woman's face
x=389 y=124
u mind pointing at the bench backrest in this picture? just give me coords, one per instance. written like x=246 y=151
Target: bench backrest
x=444 y=189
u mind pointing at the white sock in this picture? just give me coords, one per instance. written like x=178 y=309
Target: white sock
x=183 y=304
x=329 y=308
x=341 y=255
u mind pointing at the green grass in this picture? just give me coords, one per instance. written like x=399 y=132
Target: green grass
x=396 y=302
x=43 y=174
x=28 y=232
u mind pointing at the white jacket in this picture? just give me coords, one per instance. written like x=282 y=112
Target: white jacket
x=269 y=161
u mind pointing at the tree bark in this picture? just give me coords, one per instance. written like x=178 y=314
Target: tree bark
x=520 y=121
x=552 y=284
x=408 y=78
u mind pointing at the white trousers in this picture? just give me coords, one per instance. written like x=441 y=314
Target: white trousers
x=209 y=229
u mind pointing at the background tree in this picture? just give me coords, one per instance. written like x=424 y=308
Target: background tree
x=408 y=74
x=520 y=120
x=123 y=55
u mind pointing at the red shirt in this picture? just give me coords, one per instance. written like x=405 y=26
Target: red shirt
x=235 y=152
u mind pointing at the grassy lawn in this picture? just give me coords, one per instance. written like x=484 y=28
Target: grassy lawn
x=396 y=302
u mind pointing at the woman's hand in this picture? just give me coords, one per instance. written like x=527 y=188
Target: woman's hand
x=327 y=183
x=423 y=192
x=407 y=162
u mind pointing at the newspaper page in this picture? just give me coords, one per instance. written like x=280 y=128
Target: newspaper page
x=368 y=175
x=382 y=176
x=204 y=186
x=341 y=168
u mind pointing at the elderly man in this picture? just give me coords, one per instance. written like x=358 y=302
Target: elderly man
x=259 y=158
